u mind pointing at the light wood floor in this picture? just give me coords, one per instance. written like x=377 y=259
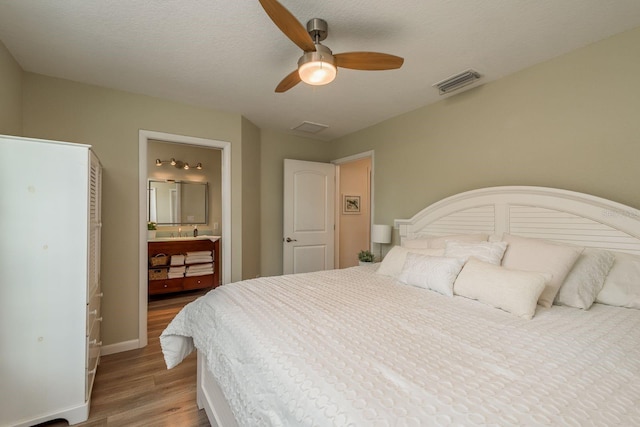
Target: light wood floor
x=134 y=388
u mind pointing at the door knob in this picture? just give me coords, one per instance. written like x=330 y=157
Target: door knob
x=289 y=240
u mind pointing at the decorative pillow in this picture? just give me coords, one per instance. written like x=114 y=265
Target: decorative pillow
x=441 y=241
x=516 y=292
x=586 y=278
x=490 y=252
x=541 y=256
x=393 y=262
x=622 y=285
x=431 y=272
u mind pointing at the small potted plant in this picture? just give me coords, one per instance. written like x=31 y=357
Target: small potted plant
x=151 y=230
x=365 y=257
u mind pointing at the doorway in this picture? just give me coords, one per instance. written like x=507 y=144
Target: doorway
x=359 y=190
x=354 y=208
x=225 y=194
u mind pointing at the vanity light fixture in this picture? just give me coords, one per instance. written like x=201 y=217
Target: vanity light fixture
x=177 y=164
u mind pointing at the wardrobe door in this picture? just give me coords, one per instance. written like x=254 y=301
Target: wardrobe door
x=44 y=267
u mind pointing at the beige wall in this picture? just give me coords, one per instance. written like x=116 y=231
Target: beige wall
x=571 y=123
x=354 y=228
x=110 y=121
x=211 y=173
x=10 y=94
x=250 y=200
x=275 y=148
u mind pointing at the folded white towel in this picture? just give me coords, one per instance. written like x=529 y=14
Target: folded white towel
x=180 y=269
x=198 y=256
x=196 y=267
x=177 y=259
x=175 y=275
x=199 y=253
x=198 y=259
x=199 y=273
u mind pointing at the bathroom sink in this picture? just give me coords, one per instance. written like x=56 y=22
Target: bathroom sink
x=170 y=239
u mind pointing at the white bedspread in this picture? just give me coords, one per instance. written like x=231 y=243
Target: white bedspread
x=349 y=347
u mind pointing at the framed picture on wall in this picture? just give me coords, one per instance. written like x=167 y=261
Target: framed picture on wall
x=350 y=204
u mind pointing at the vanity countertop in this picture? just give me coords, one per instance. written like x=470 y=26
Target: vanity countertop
x=183 y=239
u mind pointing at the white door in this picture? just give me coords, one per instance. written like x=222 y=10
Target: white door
x=308 y=241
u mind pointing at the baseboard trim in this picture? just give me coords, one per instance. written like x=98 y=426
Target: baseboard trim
x=120 y=347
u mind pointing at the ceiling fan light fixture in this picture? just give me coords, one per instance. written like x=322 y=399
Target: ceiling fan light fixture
x=317 y=68
x=317 y=73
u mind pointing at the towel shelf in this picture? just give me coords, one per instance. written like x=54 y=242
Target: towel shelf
x=164 y=284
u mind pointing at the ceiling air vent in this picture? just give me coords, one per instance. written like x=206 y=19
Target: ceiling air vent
x=456 y=82
x=310 y=127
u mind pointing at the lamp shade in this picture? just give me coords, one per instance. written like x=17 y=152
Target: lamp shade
x=381 y=233
x=317 y=68
x=317 y=73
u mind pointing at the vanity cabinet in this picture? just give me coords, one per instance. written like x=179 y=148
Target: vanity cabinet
x=159 y=283
x=50 y=296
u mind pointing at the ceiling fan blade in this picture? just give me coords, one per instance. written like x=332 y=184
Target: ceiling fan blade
x=368 y=61
x=288 y=24
x=292 y=79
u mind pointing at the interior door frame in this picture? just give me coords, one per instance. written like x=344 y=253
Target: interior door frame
x=143 y=139
x=336 y=235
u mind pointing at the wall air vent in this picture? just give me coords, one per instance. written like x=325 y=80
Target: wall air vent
x=457 y=81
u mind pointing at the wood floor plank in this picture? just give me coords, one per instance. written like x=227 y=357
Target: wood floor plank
x=134 y=388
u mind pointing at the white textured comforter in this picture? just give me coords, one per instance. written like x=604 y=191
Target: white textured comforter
x=350 y=347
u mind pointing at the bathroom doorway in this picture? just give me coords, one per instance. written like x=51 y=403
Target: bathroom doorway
x=220 y=150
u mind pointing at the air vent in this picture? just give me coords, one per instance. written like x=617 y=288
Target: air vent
x=456 y=82
x=309 y=127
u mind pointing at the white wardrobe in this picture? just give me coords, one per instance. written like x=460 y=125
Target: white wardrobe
x=49 y=280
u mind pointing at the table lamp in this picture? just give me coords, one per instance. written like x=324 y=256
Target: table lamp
x=381 y=234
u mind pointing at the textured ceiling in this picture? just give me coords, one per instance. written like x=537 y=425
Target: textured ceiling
x=228 y=55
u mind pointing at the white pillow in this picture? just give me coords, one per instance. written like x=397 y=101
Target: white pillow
x=393 y=262
x=490 y=252
x=516 y=292
x=434 y=242
x=543 y=257
x=622 y=285
x=431 y=272
x=586 y=278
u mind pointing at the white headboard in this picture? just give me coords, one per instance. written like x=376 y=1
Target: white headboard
x=546 y=213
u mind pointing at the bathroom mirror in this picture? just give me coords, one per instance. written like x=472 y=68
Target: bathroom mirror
x=177 y=202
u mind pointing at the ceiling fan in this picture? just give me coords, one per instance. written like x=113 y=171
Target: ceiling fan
x=318 y=65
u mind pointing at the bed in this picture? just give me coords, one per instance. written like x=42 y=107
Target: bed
x=439 y=333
